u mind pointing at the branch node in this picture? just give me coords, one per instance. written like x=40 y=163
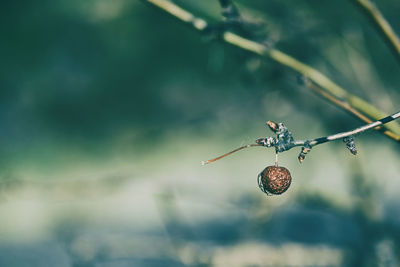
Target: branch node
x=285 y=139
x=230 y=12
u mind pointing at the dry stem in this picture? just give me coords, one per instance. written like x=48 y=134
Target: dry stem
x=325 y=84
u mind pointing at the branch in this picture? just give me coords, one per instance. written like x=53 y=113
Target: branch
x=285 y=141
x=345 y=106
x=358 y=130
x=381 y=23
x=317 y=77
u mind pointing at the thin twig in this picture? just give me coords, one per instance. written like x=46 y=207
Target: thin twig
x=381 y=23
x=345 y=106
x=358 y=130
x=227 y=154
x=284 y=140
x=317 y=77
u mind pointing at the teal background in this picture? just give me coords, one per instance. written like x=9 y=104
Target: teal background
x=107 y=109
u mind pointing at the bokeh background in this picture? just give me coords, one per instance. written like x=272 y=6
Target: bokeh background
x=108 y=107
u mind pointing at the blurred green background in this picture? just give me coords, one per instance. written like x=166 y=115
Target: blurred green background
x=108 y=107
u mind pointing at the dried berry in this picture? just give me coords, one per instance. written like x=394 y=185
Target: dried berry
x=274 y=180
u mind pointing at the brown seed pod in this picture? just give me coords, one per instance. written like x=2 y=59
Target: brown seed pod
x=274 y=180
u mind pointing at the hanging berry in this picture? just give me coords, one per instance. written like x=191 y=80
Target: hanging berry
x=274 y=180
